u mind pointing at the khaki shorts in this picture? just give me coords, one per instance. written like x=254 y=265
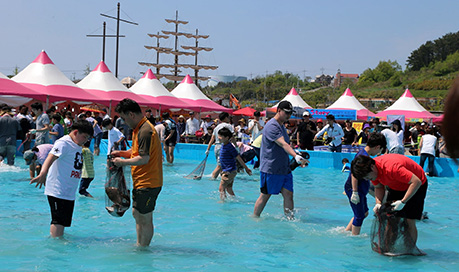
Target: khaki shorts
x=228 y=177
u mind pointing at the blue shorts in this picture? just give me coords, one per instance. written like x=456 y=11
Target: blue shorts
x=360 y=209
x=272 y=184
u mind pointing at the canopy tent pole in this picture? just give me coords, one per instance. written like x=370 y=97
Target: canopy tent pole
x=110 y=108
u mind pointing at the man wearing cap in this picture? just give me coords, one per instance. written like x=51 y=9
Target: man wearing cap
x=207 y=122
x=305 y=133
x=35 y=158
x=275 y=174
x=334 y=133
x=9 y=128
x=320 y=126
x=192 y=125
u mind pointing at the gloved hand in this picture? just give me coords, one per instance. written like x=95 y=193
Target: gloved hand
x=207 y=152
x=299 y=159
x=398 y=205
x=355 y=198
x=33 y=131
x=376 y=208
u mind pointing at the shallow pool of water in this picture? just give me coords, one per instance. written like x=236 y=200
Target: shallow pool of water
x=194 y=232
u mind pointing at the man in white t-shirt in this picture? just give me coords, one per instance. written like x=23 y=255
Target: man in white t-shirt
x=393 y=143
x=115 y=136
x=256 y=126
x=192 y=125
x=225 y=122
x=62 y=173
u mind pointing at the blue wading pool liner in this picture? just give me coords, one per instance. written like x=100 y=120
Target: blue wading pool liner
x=194 y=232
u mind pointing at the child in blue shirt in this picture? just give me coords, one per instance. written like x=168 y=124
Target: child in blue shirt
x=346 y=165
x=58 y=130
x=228 y=157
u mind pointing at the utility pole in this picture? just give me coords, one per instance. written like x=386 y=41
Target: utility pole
x=103 y=36
x=118 y=33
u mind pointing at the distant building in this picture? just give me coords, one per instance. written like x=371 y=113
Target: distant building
x=214 y=80
x=323 y=80
x=128 y=82
x=340 y=78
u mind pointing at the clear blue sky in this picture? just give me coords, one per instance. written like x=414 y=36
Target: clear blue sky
x=249 y=37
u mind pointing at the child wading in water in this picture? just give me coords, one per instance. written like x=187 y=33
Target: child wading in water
x=62 y=172
x=228 y=157
x=87 y=173
x=357 y=189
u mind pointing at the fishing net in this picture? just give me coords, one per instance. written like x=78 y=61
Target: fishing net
x=117 y=193
x=390 y=234
x=198 y=172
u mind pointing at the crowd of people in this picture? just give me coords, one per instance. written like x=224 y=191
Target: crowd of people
x=61 y=158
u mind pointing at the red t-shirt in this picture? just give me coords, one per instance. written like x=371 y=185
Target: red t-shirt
x=395 y=171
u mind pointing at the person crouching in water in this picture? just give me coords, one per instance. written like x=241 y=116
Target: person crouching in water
x=228 y=157
x=357 y=189
x=406 y=182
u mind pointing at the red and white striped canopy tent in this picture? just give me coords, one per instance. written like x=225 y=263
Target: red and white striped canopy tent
x=347 y=101
x=296 y=100
x=150 y=88
x=14 y=94
x=190 y=93
x=408 y=105
x=44 y=77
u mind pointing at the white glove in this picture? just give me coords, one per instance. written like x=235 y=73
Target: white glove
x=298 y=159
x=398 y=205
x=207 y=152
x=33 y=131
x=355 y=198
x=376 y=208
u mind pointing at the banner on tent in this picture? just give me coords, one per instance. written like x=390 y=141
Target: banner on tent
x=414 y=120
x=392 y=118
x=339 y=114
x=317 y=113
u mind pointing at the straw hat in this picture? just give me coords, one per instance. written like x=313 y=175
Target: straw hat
x=242 y=120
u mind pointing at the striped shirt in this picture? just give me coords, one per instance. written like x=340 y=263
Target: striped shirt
x=88 y=164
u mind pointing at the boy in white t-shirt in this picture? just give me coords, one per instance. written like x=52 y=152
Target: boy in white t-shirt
x=115 y=136
x=61 y=172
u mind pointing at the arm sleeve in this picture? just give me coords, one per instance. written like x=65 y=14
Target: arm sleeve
x=119 y=135
x=322 y=131
x=58 y=149
x=145 y=137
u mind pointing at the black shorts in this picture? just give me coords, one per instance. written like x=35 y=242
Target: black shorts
x=415 y=206
x=61 y=211
x=144 y=199
x=170 y=142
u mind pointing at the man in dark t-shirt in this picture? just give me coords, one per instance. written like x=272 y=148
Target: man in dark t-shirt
x=306 y=131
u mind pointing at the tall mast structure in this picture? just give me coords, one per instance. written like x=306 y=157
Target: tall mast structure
x=187 y=51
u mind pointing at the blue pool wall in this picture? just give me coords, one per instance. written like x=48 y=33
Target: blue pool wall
x=444 y=167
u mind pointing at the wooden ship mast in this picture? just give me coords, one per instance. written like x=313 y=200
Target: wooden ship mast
x=184 y=51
